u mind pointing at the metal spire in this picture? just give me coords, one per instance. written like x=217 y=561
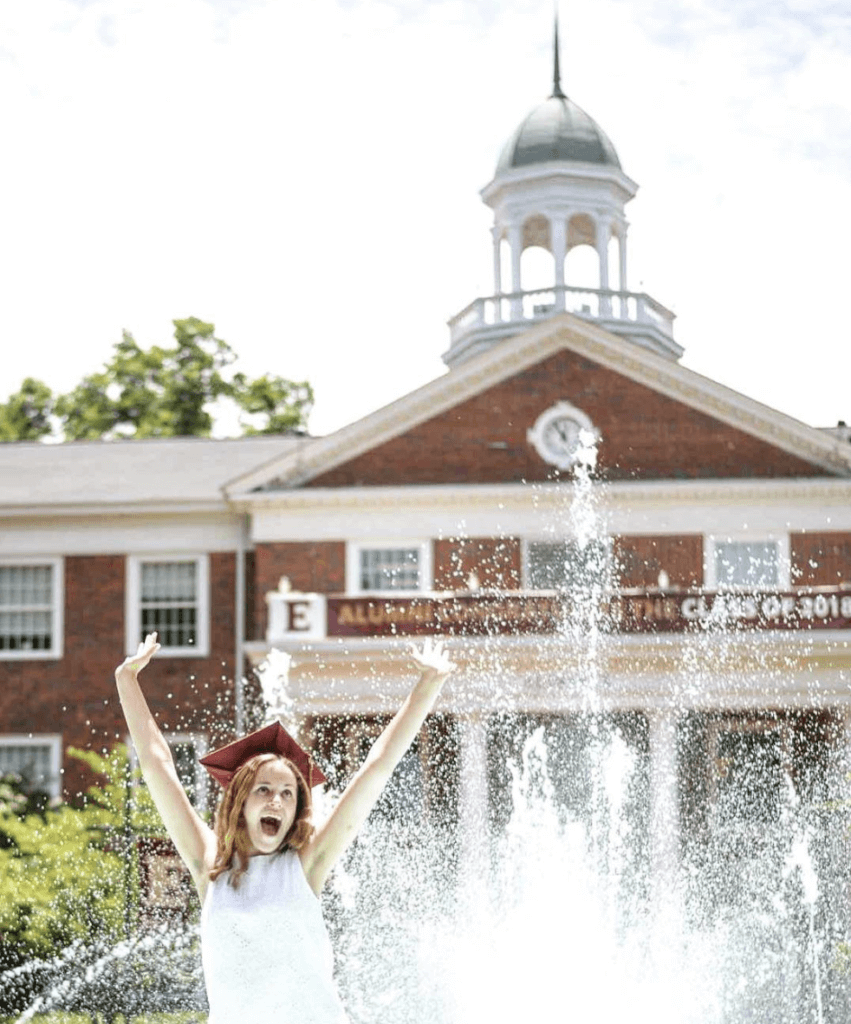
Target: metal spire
x=557 y=93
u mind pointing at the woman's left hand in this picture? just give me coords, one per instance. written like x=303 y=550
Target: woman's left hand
x=432 y=658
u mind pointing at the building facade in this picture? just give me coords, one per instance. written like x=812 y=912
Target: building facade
x=597 y=531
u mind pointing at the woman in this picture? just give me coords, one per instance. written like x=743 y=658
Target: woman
x=265 y=949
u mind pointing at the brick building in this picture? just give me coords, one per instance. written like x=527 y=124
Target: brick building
x=718 y=559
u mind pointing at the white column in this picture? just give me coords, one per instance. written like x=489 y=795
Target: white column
x=664 y=804
x=604 y=233
x=496 y=232
x=622 y=256
x=840 y=792
x=473 y=801
x=558 y=244
x=515 y=244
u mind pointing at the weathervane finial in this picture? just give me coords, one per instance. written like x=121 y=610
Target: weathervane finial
x=557 y=93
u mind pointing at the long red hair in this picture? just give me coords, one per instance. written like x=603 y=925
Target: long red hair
x=232 y=844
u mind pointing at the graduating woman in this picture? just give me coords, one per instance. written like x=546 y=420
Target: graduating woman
x=259 y=872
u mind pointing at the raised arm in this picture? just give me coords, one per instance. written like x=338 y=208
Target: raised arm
x=360 y=796
x=193 y=838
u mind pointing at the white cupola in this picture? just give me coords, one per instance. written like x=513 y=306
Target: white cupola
x=559 y=184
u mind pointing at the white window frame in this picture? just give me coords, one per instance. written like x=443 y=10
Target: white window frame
x=784 y=572
x=57 y=648
x=529 y=541
x=32 y=739
x=132 y=602
x=426 y=566
x=201 y=744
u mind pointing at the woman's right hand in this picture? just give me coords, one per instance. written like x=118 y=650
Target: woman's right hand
x=144 y=652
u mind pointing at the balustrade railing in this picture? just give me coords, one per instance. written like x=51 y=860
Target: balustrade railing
x=594 y=303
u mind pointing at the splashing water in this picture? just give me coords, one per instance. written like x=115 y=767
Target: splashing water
x=273 y=674
x=558 y=916
x=565 y=920
x=153 y=972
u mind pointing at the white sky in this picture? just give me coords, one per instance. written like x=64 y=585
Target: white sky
x=305 y=174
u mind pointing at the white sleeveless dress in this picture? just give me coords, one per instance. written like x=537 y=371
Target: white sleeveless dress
x=265 y=949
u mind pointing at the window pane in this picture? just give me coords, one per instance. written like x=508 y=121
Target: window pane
x=25 y=585
x=29 y=760
x=176 y=626
x=390 y=569
x=26 y=607
x=564 y=565
x=746 y=564
x=168 y=581
x=169 y=602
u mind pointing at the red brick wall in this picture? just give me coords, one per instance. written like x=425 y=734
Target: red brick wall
x=312 y=567
x=250 y=590
x=640 y=559
x=645 y=435
x=495 y=560
x=821 y=559
x=75 y=696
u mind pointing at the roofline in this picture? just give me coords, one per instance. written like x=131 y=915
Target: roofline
x=724 y=490
x=90 y=508
x=539 y=342
x=136 y=442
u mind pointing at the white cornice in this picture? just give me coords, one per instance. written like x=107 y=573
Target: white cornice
x=636 y=672
x=542 y=175
x=818 y=490
x=512 y=357
x=105 y=508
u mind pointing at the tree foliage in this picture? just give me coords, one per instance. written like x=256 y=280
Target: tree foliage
x=161 y=391
x=69 y=888
x=62 y=873
x=26 y=415
x=277 y=402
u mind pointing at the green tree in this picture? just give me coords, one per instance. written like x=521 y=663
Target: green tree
x=159 y=392
x=26 y=414
x=69 y=888
x=278 y=403
x=62 y=868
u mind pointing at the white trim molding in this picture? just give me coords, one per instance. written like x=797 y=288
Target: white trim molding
x=57 y=610
x=563 y=331
x=132 y=598
x=53 y=743
x=425 y=567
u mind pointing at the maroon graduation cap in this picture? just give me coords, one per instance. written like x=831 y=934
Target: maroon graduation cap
x=223 y=763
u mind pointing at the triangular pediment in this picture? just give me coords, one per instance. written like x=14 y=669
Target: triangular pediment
x=655 y=420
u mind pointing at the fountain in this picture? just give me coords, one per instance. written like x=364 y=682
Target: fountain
x=555 y=908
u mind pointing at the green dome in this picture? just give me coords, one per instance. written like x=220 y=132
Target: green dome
x=557 y=130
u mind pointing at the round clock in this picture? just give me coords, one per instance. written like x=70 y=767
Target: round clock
x=556 y=434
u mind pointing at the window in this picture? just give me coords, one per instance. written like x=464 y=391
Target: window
x=567 y=565
x=758 y=564
x=169 y=596
x=35 y=758
x=378 y=568
x=31 y=608
x=187 y=749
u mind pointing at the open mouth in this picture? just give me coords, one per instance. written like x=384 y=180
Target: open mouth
x=270 y=825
